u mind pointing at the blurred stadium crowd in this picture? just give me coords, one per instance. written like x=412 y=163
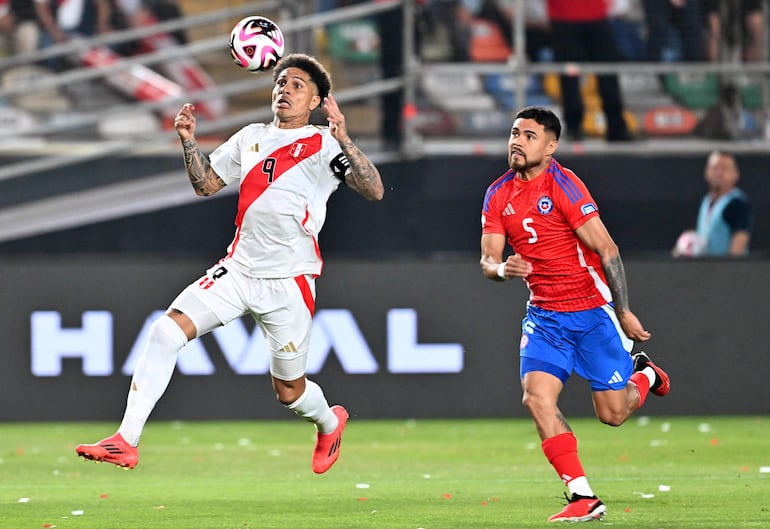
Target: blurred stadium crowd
x=689 y=103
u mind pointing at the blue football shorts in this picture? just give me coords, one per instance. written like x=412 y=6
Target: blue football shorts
x=589 y=343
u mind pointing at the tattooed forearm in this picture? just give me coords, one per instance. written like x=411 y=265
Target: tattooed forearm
x=202 y=177
x=616 y=279
x=364 y=176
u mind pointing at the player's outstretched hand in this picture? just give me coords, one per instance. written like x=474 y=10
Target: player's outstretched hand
x=336 y=119
x=184 y=122
x=633 y=327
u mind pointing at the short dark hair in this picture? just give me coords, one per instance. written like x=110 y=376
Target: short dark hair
x=306 y=63
x=542 y=116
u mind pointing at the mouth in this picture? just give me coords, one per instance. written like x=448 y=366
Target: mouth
x=282 y=103
x=516 y=152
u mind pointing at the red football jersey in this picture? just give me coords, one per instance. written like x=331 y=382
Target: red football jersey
x=577 y=11
x=539 y=218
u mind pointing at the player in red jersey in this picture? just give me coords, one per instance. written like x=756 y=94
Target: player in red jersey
x=578 y=317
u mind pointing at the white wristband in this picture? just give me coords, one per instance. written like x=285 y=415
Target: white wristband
x=501 y=271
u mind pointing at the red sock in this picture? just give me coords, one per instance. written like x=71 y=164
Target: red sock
x=642 y=384
x=561 y=451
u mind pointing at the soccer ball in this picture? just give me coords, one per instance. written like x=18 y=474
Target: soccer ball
x=256 y=43
x=689 y=244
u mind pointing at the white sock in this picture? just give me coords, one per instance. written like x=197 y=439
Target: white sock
x=312 y=406
x=650 y=374
x=580 y=487
x=151 y=376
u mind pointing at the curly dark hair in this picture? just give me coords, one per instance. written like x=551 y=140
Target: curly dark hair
x=306 y=63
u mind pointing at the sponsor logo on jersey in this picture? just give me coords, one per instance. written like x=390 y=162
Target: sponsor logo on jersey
x=508 y=210
x=254 y=148
x=588 y=208
x=545 y=205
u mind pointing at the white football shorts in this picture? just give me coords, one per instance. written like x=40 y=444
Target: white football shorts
x=282 y=308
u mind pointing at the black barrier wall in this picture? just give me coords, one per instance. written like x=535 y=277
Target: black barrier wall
x=392 y=339
x=431 y=205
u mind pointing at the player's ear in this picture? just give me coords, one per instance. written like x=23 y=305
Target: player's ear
x=552 y=146
x=315 y=102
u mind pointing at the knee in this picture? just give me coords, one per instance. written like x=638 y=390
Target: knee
x=534 y=403
x=166 y=334
x=612 y=417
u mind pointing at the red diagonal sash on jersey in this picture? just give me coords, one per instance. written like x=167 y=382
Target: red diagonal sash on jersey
x=256 y=181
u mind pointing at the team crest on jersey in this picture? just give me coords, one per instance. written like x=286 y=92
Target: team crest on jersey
x=588 y=208
x=545 y=205
x=298 y=150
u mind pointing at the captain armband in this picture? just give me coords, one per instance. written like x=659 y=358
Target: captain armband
x=340 y=166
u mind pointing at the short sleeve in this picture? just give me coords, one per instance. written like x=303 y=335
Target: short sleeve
x=574 y=200
x=738 y=215
x=226 y=159
x=491 y=219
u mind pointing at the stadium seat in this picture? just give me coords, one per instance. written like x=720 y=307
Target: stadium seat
x=503 y=88
x=487 y=42
x=669 y=120
x=693 y=91
x=355 y=41
x=456 y=91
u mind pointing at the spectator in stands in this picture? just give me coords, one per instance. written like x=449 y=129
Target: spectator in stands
x=391 y=30
x=61 y=19
x=453 y=17
x=142 y=13
x=537 y=28
x=493 y=12
x=6 y=22
x=538 y=31
x=18 y=25
x=582 y=33
x=725 y=217
x=738 y=25
x=138 y=13
x=627 y=24
x=674 y=30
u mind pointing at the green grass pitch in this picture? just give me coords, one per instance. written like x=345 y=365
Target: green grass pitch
x=653 y=473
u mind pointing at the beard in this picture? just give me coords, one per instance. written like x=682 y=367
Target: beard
x=520 y=163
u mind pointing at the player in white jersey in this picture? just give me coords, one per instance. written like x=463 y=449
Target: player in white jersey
x=286 y=171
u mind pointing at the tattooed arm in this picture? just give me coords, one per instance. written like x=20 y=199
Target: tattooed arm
x=363 y=177
x=204 y=180
x=595 y=235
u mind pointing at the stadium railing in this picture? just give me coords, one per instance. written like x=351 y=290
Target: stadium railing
x=33 y=150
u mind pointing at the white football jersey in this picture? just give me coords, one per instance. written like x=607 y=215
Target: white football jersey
x=286 y=177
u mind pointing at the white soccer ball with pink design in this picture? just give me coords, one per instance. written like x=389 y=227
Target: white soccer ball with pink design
x=689 y=244
x=256 y=43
